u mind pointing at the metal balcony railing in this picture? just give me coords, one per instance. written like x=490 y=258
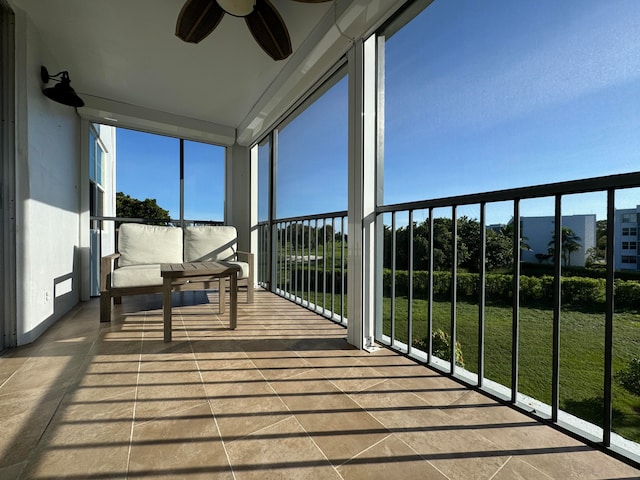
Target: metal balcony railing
x=413 y=302
x=305 y=258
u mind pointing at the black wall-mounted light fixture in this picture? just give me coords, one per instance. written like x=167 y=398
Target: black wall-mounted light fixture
x=61 y=92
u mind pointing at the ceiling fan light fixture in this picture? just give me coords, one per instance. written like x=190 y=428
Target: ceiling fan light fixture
x=237 y=8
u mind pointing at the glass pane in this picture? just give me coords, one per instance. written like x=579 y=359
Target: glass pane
x=99 y=164
x=148 y=166
x=312 y=157
x=92 y=156
x=203 y=181
x=501 y=94
x=264 y=161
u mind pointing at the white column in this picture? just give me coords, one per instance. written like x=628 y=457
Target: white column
x=237 y=195
x=361 y=201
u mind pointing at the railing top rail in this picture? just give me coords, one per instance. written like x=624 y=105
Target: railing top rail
x=587 y=185
x=155 y=220
x=318 y=216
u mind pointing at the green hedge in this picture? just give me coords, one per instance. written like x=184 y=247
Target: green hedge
x=579 y=291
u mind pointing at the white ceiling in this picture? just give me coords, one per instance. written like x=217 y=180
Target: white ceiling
x=126 y=52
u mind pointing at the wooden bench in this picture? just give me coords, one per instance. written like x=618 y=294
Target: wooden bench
x=135 y=268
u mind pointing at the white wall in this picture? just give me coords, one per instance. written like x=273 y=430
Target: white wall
x=539 y=232
x=47 y=193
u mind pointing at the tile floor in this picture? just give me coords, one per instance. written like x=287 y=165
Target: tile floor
x=282 y=397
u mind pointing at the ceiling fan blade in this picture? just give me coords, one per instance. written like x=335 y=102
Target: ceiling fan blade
x=197 y=19
x=268 y=29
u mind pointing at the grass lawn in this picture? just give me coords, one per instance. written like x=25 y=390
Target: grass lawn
x=581 y=353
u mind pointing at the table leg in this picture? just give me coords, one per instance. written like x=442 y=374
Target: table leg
x=166 y=308
x=222 y=284
x=233 y=300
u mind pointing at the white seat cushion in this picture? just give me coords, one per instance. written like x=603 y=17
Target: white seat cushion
x=136 y=276
x=149 y=244
x=209 y=243
x=245 y=269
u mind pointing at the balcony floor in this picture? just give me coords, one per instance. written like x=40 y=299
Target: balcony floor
x=283 y=396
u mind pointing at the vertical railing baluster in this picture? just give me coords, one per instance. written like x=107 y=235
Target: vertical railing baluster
x=324 y=265
x=309 y=263
x=342 y=264
x=482 y=292
x=557 y=308
x=410 y=285
x=515 y=339
x=454 y=285
x=280 y=257
x=430 y=291
x=299 y=262
x=315 y=299
x=333 y=265
x=608 y=329
x=288 y=257
x=392 y=310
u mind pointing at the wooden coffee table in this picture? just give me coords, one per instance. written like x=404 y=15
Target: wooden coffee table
x=178 y=275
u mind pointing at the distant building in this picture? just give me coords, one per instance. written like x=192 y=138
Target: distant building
x=626 y=239
x=537 y=232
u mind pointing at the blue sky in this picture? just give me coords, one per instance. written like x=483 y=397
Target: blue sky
x=148 y=166
x=479 y=96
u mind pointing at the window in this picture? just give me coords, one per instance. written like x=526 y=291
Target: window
x=629 y=218
x=629 y=245
x=96 y=174
x=203 y=181
x=629 y=259
x=264 y=180
x=489 y=95
x=311 y=170
x=150 y=166
x=630 y=231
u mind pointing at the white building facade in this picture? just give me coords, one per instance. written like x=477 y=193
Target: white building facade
x=537 y=233
x=626 y=238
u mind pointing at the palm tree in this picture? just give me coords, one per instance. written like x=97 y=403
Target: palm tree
x=569 y=244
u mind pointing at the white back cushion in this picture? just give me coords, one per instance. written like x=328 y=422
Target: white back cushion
x=209 y=243
x=147 y=244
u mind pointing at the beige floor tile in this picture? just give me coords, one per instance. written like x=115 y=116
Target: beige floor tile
x=85 y=440
x=457 y=451
x=579 y=462
x=25 y=417
x=245 y=407
x=505 y=426
x=43 y=372
x=339 y=426
x=386 y=459
x=280 y=452
x=282 y=396
x=182 y=445
x=161 y=393
x=516 y=469
x=12 y=472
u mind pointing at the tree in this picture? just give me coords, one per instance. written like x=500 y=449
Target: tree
x=597 y=254
x=129 y=207
x=499 y=251
x=569 y=244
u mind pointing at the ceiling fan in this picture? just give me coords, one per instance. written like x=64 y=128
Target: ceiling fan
x=198 y=18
